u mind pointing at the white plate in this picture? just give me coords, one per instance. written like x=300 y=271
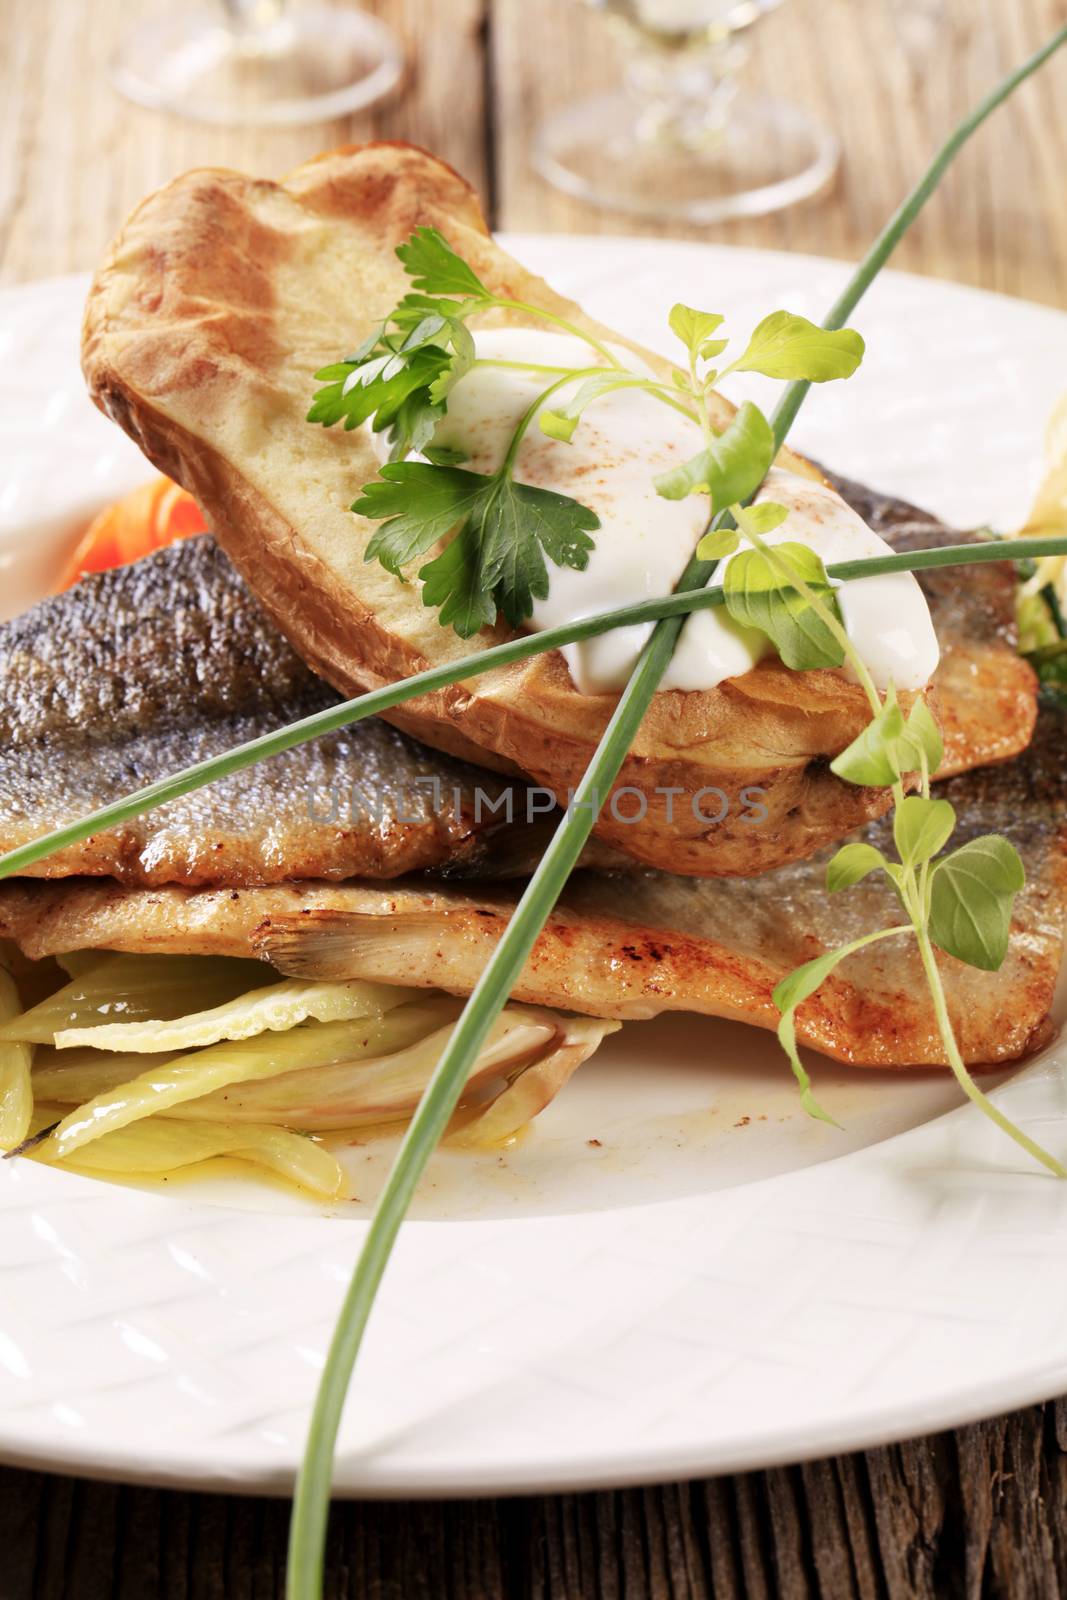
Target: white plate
x=718 y=1283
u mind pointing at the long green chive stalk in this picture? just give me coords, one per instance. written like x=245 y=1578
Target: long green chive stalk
x=372 y=704
x=312 y=1498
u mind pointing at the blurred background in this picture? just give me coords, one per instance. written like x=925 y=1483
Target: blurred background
x=648 y=116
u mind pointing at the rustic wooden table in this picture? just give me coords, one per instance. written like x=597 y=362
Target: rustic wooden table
x=979 y=1512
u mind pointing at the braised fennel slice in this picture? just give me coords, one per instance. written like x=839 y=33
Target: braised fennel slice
x=271 y=1009
x=259 y=1077
x=124 y=988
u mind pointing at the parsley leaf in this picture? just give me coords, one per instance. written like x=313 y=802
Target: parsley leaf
x=378 y=385
x=519 y=526
x=972 y=893
x=419 y=504
x=787 y=346
x=452 y=582
x=756 y=595
x=503 y=533
x=435 y=268
x=730 y=468
x=402 y=379
x=763 y=517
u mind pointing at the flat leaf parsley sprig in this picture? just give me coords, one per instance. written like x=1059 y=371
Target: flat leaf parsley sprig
x=494 y=534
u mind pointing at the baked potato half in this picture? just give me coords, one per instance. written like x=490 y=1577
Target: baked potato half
x=213 y=309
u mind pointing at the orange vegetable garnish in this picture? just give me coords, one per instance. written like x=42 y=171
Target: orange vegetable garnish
x=154 y=515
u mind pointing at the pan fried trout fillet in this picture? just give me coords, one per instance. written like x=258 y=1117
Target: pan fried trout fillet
x=145 y=669
x=205 y=325
x=634 y=946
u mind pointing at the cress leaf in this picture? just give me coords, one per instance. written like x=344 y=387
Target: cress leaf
x=763 y=517
x=453 y=583
x=718 y=543
x=435 y=268
x=757 y=595
x=799 y=986
x=972 y=894
x=730 y=468
x=788 y=346
x=890 y=746
x=419 y=504
x=695 y=328
x=921 y=828
x=852 y=863
x=923 y=737
x=559 y=422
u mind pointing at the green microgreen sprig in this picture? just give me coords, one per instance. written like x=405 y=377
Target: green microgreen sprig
x=962 y=902
x=311 y=1502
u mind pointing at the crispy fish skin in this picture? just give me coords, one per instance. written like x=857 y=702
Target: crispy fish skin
x=146 y=669
x=635 y=946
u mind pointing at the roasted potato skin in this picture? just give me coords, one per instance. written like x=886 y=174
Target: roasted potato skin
x=204 y=326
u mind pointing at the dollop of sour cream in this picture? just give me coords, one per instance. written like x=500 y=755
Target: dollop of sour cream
x=623 y=441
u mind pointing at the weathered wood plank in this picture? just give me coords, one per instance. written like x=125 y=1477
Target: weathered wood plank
x=891 y=77
x=75 y=158
x=982 y=1513
x=979 y=1513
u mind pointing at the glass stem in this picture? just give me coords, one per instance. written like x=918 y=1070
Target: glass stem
x=248 y=18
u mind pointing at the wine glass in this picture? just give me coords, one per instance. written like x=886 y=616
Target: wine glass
x=258 y=62
x=681 y=137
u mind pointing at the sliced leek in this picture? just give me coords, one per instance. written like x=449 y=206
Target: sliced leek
x=273 y=1009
